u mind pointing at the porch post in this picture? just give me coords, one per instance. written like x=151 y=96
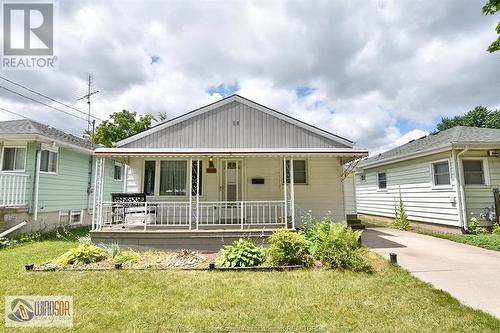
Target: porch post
x=37 y=183
x=197 y=193
x=190 y=192
x=284 y=192
x=101 y=190
x=94 y=220
x=292 y=194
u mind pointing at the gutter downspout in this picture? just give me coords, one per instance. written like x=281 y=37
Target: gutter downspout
x=37 y=183
x=460 y=188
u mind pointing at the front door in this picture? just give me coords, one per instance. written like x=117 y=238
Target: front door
x=231 y=180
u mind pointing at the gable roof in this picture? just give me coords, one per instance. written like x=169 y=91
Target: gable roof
x=459 y=135
x=30 y=127
x=245 y=101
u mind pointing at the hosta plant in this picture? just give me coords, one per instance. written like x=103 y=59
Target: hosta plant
x=240 y=253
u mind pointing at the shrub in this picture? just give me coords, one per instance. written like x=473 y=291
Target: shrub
x=475 y=228
x=401 y=221
x=126 y=257
x=240 y=253
x=337 y=246
x=288 y=248
x=82 y=254
x=496 y=229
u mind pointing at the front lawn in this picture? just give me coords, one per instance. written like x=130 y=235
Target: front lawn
x=185 y=301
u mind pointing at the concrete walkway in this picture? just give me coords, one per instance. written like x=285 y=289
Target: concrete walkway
x=468 y=273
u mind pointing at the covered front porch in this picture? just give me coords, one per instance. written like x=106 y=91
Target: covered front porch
x=216 y=191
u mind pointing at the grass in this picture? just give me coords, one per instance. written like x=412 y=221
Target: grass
x=486 y=241
x=389 y=300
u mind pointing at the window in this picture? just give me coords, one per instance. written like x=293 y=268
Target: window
x=473 y=172
x=299 y=172
x=118 y=171
x=75 y=217
x=13 y=159
x=149 y=177
x=382 y=180
x=173 y=177
x=48 y=161
x=441 y=173
x=194 y=172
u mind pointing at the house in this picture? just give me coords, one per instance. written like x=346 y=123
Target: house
x=217 y=173
x=45 y=177
x=444 y=178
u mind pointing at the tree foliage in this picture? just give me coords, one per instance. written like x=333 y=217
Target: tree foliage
x=490 y=8
x=121 y=125
x=480 y=116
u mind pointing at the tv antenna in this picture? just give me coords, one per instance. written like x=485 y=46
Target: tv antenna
x=87 y=97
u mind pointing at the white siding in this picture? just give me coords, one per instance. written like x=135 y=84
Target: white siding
x=234 y=125
x=479 y=198
x=350 y=194
x=413 y=178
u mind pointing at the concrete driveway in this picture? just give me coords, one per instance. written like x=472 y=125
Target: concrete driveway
x=468 y=273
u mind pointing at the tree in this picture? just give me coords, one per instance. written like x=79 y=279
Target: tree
x=401 y=220
x=490 y=8
x=161 y=117
x=480 y=116
x=120 y=126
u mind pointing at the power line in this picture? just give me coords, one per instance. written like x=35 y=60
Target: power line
x=45 y=96
x=14 y=113
x=24 y=117
x=42 y=103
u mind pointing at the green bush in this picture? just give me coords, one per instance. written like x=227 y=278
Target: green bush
x=82 y=254
x=337 y=246
x=126 y=257
x=240 y=253
x=401 y=220
x=475 y=228
x=288 y=248
x=496 y=229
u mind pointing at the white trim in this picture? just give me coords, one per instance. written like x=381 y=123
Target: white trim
x=433 y=180
x=236 y=98
x=18 y=146
x=486 y=171
x=37 y=183
x=405 y=157
x=202 y=152
x=44 y=139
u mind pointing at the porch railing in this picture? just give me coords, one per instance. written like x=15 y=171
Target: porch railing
x=182 y=215
x=13 y=189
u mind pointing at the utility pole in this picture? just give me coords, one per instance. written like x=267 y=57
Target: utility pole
x=87 y=97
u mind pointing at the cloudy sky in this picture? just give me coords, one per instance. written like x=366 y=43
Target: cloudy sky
x=378 y=72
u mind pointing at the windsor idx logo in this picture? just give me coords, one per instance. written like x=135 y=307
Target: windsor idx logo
x=38 y=311
x=28 y=35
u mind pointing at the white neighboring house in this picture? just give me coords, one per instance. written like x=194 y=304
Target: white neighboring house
x=444 y=178
x=237 y=153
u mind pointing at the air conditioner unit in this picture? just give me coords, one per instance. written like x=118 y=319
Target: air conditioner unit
x=494 y=153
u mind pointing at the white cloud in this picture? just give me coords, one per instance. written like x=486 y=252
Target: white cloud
x=372 y=64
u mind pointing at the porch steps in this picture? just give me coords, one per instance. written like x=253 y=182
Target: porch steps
x=354 y=222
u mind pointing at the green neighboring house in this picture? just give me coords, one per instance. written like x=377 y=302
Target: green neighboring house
x=46 y=177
